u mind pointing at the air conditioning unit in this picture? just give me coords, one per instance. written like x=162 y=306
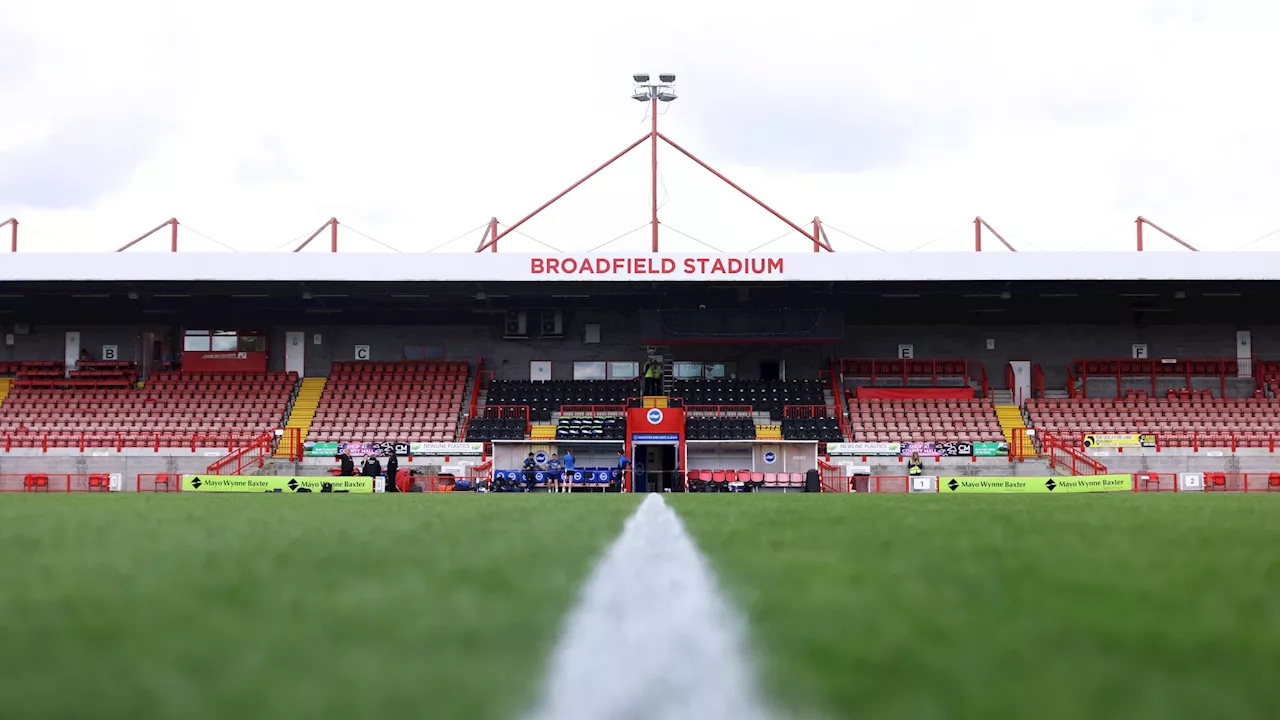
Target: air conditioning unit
x=552 y=324
x=516 y=325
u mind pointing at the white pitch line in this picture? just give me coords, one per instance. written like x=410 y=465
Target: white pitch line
x=652 y=636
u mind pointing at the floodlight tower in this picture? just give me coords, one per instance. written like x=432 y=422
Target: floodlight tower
x=653 y=93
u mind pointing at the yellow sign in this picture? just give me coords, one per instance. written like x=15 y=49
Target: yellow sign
x=273 y=483
x=1057 y=485
x=1119 y=440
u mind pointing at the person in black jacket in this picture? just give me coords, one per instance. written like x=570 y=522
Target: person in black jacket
x=347 y=468
x=393 y=465
x=372 y=468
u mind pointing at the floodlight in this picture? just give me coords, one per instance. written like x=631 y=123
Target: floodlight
x=667 y=78
x=666 y=96
x=640 y=78
x=641 y=95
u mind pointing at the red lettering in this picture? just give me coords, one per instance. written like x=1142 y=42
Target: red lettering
x=668 y=266
x=702 y=266
x=735 y=266
x=689 y=269
x=569 y=266
x=775 y=265
x=717 y=267
x=553 y=266
x=535 y=266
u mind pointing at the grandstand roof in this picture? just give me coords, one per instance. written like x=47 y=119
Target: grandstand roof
x=812 y=267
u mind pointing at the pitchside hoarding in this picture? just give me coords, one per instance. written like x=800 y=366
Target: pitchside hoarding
x=272 y=483
x=1055 y=485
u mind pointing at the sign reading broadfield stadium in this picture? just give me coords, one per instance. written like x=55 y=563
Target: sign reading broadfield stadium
x=1084 y=484
x=272 y=483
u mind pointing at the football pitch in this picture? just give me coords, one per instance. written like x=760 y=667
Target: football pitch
x=450 y=606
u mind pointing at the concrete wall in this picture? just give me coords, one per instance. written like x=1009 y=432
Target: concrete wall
x=1052 y=346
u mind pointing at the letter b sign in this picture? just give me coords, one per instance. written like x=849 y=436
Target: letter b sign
x=362 y=352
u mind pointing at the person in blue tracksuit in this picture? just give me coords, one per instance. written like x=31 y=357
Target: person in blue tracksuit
x=569 y=466
x=555 y=471
x=620 y=473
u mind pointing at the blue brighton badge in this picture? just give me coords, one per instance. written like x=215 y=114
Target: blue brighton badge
x=770 y=457
x=654 y=416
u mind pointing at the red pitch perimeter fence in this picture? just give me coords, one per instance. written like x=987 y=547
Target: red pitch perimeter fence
x=120 y=441
x=1194 y=440
x=253 y=454
x=55 y=482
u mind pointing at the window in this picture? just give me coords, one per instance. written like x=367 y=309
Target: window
x=423 y=352
x=686 y=370
x=589 y=371
x=223 y=341
x=624 y=370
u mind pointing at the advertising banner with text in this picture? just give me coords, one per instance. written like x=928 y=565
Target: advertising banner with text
x=403 y=449
x=1119 y=440
x=1057 y=485
x=272 y=483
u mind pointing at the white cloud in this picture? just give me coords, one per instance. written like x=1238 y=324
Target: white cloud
x=897 y=122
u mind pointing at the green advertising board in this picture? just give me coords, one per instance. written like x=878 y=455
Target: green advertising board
x=271 y=483
x=990 y=449
x=1056 y=485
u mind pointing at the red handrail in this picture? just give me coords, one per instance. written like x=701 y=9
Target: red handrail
x=1074 y=461
x=842 y=407
x=808 y=411
x=718 y=410
x=255 y=452
x=82 y=441
x=510 y=412
x=593 y=410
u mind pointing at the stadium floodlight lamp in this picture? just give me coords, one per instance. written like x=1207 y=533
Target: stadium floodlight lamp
x=641 y=95
x=640 y=78
x=666 y=95
x=667 y=78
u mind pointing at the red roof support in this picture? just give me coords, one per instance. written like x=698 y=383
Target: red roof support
x=818 y=236
x=978 y=224
x=13 y=223
x=332 y=225
x=173 y=235
x=1141 y=221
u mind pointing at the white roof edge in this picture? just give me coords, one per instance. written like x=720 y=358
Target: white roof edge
x=499 y=267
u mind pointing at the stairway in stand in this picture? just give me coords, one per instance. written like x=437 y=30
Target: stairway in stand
x=5 y=384
x=1014 y=428
x=304 y=411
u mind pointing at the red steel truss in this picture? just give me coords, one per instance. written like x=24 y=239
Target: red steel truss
x=332 y=225
x=172 y=224
x=13 y=224
x=978 y=224
x=817 y=235
x=1143 y=221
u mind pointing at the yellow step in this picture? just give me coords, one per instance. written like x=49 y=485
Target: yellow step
x=768 y=432
x=543 y=432
x=1010 y=417
x=658 y=401
x=303 y=413
x=5 y=385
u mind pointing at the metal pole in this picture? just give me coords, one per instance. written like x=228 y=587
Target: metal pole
x=1139 y=221
x=653 y=134
x=333 y=234
x=173 y=235
x=977 y=234
x=493 y=233
x=13 y=243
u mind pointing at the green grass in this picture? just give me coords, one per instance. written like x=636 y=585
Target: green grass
x=1092 y=606
x=250 y=607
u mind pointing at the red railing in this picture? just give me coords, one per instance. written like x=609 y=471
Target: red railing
x=55 y=482
x=717 y=410
x=255 y=453
x=833 y=478
x=1070 y=459
x=1154 y=369
x=1021 y=445
x=804 y=412
x=1037 y=381
x=158 y=482
x=1214 y=481
x=842 y=407
x=874 y=368
x=593 y=410
x=445 y=483
x=483 y=378
x=119 y=441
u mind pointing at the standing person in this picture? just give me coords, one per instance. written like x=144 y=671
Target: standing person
x=652 y=378
x=530 y=470
x=393 y=465
x=555 y=472
x=915 y=465
x=347 y=467
x=372 y=468
x=569 y=464
x=619 y=474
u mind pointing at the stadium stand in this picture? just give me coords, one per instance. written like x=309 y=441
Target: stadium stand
x=924 y=420
x=545 y=398
x=720 y=428
x=1187 y=418
x=763 y=396
x=591 y=428
x=99 y=409
x=414 y=401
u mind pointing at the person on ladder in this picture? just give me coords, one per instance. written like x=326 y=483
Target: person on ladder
x=653 y=378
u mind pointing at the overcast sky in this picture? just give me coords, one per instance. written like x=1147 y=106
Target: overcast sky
x=413 y=123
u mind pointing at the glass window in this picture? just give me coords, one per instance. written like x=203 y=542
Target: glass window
x=624 y=370
x=196 y=342
x=715 y=370
x=251 y=343
x=686 y=370
x=224 y=343
x=588 y=371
